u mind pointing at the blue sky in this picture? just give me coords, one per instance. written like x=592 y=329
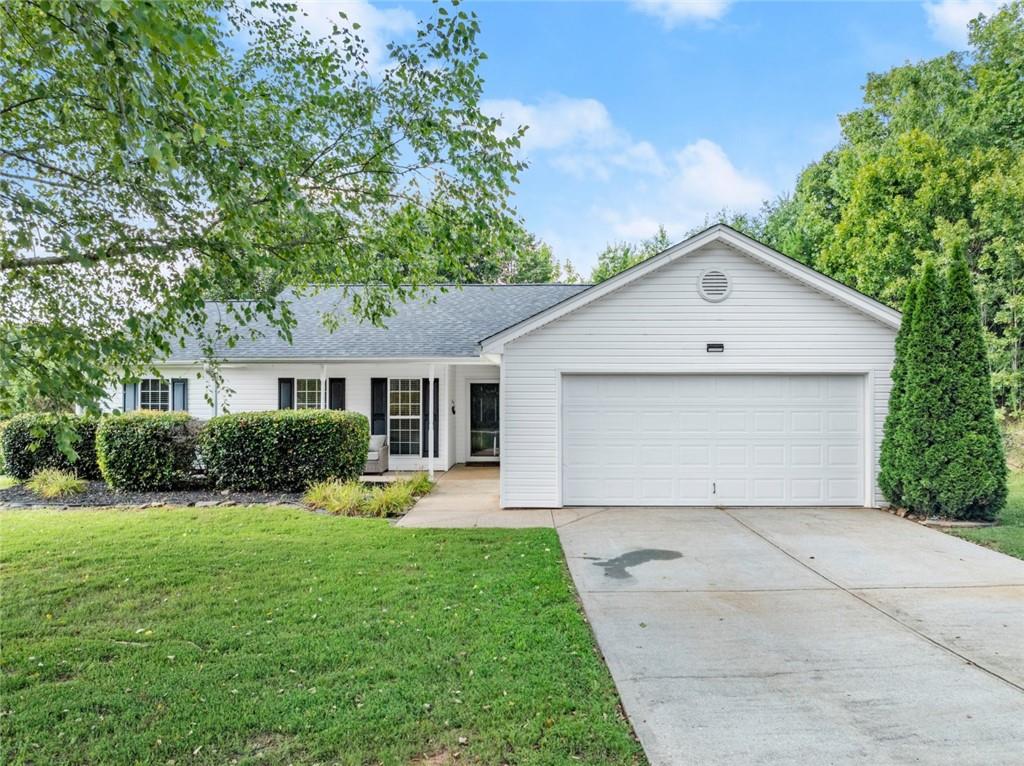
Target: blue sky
x=661 y=112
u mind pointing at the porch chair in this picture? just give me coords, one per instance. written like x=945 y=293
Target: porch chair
x=377 y=457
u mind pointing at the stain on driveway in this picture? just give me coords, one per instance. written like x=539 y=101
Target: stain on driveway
x=616 y=567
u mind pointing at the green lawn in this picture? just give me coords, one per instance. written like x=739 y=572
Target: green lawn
x=7 y=481
x=272 y=636
x=1008 y=536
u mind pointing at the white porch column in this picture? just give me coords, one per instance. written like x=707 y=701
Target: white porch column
x=430 y=424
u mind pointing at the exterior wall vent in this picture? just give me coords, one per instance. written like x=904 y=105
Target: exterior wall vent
x=713 y=285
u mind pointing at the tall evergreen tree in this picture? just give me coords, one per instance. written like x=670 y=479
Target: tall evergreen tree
x=890 y=475
x=926 y=400
x=971 y=477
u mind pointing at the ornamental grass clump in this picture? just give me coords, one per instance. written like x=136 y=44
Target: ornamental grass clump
x=420 y=484
x=390 y=500
x=50 y=483
x=343 y=498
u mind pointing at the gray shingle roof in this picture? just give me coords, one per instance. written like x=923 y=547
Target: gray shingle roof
x=451 y=325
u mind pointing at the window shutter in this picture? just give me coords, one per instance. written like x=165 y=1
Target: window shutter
x=130 y=398
x=424 y=414
x=286 y=393
x=179 y=394
x=336 y=393
x=378 y=405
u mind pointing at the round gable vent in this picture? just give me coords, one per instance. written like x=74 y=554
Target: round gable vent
x=713 y=285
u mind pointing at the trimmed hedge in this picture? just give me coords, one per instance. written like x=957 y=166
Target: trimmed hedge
x=284 y=450
x=147 y=450
x=28 y=443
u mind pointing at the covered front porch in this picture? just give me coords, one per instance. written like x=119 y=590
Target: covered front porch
x=428 y=427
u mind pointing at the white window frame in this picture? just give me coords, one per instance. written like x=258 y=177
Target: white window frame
x=417 y=418
x=306 y=396
x=162 y=395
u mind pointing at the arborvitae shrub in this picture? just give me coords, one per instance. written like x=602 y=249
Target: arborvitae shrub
x=971 y=472
x=889 y=476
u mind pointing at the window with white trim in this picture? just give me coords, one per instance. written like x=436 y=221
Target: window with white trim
x=154 y=394
x=307 y=394
x=404 y=416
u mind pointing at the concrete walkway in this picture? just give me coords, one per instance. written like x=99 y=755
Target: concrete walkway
x=467 y=496
x=804 y=636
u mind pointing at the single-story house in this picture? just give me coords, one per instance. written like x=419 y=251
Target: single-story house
x=719 y=372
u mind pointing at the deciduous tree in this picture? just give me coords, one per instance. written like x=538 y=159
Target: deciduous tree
x=153 y=154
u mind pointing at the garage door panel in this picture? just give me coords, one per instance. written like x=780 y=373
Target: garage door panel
x=770 y=455
x=696 y=456
x=847 y=421
x=770 y=422
x=770 y=491
x=699 y=440
x=843 y=455
x=694 y=422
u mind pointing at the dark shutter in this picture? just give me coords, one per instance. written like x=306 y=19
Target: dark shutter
x=378 y=405
x=336 y=393
x=424 y=410
x=130 y=397
x=179 y=394
x=286 y=393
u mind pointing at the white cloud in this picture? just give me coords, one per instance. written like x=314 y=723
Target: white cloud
x=377 y=26
x=554 y=122
x=641 y=157
x=700 y=181
x=672 y=13
x=948 y=18
x=575 y=135
x=704 y=172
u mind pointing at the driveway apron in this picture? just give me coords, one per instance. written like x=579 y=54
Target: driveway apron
x=803 y=636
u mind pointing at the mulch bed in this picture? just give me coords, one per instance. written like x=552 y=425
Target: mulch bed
x=98 y=494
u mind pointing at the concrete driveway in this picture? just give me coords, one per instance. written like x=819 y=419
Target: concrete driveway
x=803 y=636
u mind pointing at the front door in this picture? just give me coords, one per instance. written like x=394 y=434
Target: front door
x=484 y=442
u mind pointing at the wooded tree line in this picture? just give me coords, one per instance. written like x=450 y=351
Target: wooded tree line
x=930 y=167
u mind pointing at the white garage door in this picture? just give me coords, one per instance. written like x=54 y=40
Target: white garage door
x=713 y=440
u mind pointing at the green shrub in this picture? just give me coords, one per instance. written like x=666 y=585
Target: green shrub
x=942 y=454
x=345 y=498
x=53 y=482
x=391 y=500
x=972 y=476
x=284 y=449
x=147 y=450
x=890 y=473
x=420 y=484
x=31 y=442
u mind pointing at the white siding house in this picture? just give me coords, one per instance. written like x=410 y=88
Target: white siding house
x=718 y=372
x=782 y=341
